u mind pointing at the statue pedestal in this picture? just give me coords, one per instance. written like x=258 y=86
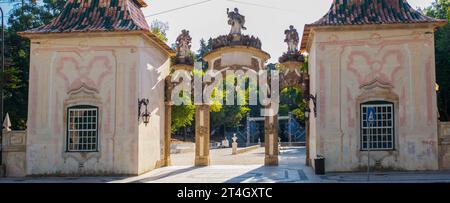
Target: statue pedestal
x=291 y=66
x=236 y=38
x=181 y=66
x=291 y=74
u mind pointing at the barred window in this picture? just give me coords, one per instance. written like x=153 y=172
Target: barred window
x=380 y=132
x=82 y=129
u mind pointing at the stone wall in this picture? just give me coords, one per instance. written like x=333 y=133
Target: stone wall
x=14 y=152
x=444 y=146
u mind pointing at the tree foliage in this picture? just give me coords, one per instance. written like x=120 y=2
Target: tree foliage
x=229 y=116
x=441 y=9
x=21 y=18
x=183 y=115
x=291 y=100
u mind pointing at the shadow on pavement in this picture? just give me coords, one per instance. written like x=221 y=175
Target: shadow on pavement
x=166 y=175
x=290 y=170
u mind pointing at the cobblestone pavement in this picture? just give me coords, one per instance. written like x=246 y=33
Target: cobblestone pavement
x=247 y=168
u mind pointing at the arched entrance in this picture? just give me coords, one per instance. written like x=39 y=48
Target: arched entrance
x=235 y=54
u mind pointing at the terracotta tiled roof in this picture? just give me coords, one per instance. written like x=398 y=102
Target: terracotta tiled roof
x=97 y=15
x=369 y=12
x=82 y=16
x=357 y=12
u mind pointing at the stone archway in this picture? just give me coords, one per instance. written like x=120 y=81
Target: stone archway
x=234 y=52
x=235 y=58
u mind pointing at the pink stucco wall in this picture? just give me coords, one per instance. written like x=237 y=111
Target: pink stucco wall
x=108 y=71
x=351 y=67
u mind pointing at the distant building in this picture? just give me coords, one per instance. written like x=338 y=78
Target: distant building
x=373 y=54
x=89 y=67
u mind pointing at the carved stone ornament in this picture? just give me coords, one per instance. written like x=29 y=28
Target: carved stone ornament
x=292 y=39
x=236 y=21
x=203 y=130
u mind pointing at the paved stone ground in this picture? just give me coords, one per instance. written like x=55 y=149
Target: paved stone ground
x=222 y=157
x=248 y=168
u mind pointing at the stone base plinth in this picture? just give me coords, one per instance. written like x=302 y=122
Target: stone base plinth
x=234 y=148
x=308 y=162
x=271 y=161
x=2 y=171
x=201 y=161
x=167 y=162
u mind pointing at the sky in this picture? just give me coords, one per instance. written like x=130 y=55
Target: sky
x=266 y=19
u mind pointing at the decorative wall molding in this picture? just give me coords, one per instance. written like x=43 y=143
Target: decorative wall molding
x=83 y=95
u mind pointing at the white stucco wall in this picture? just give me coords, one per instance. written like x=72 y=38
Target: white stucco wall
x=111 y=72
x=312 y=69
x=154 y=68
x=349 y=67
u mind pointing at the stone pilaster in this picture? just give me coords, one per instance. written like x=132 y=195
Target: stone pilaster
x=308 y=158
x=202 y=135
x=271 y=141
x=167 y=122
x=167 y=133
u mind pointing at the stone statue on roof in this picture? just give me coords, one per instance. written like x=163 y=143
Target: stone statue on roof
x=237 y=22
x=183 y=44
x=292 y=39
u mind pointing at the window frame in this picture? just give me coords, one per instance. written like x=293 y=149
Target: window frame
x=393 y=120
x=82 y=107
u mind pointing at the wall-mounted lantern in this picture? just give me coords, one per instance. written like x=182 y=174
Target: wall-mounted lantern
x=314 y=100
x=146 y=115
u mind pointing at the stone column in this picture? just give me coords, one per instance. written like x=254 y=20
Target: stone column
x=202 y=135
x=308 y=159
x=167 y=133
x=271 y=140
x=234 y=145
x=248 y=129
x=167 y=121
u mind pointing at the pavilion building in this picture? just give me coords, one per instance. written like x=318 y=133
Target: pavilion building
x=372 y=80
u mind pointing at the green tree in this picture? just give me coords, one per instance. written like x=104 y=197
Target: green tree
x=160 y=29
x=291 y=100
x=441 y=9
x=225 y=116
x=183 y=115
x=21 y=18
x=205 y=48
